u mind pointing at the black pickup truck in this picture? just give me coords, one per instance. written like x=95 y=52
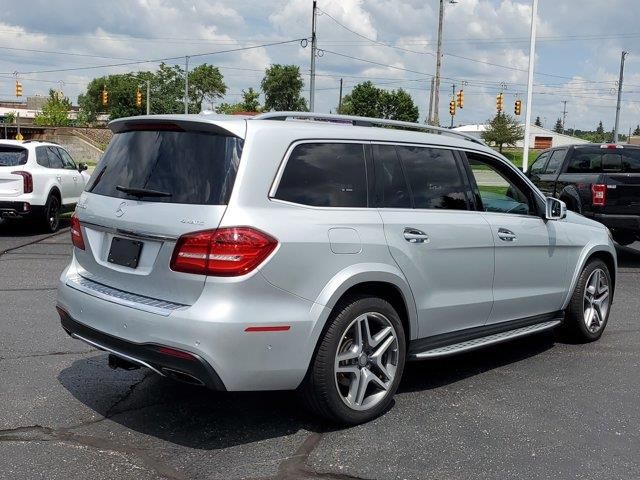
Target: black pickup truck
x=601 y=182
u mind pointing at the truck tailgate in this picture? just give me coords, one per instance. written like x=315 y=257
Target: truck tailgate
x=623 y=193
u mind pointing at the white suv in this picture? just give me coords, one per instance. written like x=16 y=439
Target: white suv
x=38 y=180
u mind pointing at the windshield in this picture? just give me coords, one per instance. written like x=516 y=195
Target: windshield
x=187 y=167
x=12 y=156
x=602 y=160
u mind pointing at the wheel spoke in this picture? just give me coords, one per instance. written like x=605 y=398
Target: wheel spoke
x=350 y=354
x=383 y=334
x=353 y=388
x=363 y=383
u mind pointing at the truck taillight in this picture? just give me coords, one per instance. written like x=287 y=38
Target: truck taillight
x=598 y=194
x=27 y=181
x=76 y=233
x=225 y=252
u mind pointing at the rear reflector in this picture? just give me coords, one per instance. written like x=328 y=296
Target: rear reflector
x=598 y=194
x=226 y=252
x=76 y=233
x=172 y=352
x=27 y=181
x=274 y=328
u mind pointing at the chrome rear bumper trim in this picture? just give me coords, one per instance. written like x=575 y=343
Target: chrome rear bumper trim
x=119 y=354
x=131 y=300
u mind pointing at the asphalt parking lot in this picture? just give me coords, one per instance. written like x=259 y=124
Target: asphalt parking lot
x=534 y=408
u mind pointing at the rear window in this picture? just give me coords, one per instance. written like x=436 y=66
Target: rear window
x=192 y=167
x=325 y=175
x=602 y=160
x=12 y=156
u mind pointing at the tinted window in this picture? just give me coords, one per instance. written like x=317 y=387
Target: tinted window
x=598 y=160
x=434 y=177
x=555 y=162
x=193 y=167
x=539 y=164
x=42 y=157
x=66 y=158
x=391 y=186
x=499 y=192
x=12 y=156
x=325 y=175
x=55 y=159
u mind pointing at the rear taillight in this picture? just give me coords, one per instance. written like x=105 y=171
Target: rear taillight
x=598 y=194
x=226 y=252
x=27 y=181
x=76 y=233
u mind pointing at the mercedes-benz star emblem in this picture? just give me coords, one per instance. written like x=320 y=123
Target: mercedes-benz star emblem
x=120 y=210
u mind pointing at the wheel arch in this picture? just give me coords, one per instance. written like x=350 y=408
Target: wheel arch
x=602 y=252
x=570 y=196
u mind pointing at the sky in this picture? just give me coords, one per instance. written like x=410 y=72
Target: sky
x=392 y=43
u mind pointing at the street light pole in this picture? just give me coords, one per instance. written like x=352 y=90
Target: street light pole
x=148 y=97
x=435 y=120
x=312 y=82
x=186 y=84
x=532 y=54
x=615 y=128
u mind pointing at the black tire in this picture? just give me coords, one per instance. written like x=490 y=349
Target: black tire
x=50 y=220
x=624 y=239
x=575 y=323
x=320 y=390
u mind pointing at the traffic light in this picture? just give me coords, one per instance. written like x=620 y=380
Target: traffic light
x=460 y=99
x=518 y=107
x=18 y=89
x=500 y=102
x=452 y=108
x=105 y=97
x=138 y=98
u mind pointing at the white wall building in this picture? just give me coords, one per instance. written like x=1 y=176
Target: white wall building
x=540 y=138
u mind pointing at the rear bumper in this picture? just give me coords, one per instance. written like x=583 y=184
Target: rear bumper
x=619 y=222
x=15 y=209
x=146 y=354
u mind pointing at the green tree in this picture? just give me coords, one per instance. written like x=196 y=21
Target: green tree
x=503 y=130
x=205 y=83
x=538 y=122
x=249 y=103
x=282 y=87
x=558 y=127
x=122 y=102
x=599 y=136
x=367 y=100
x=10 y=117
x=55 y=111
x=637 y=130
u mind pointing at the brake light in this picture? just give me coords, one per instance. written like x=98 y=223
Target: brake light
x=27 y=181
x=76 y=233
x=172 y=352
x=226 y=252
x=598 y=194
x=611 y=146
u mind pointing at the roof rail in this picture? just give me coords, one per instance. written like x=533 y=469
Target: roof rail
x=364 y=122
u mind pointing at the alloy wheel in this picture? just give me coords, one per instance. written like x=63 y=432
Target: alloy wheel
x=53 y=214
x=366 y=361
x=596 y=300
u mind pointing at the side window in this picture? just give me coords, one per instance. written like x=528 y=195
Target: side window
x=67 y=160
x=555 y=162
x=391 y=185
x=435 y=178
x=325 y=175
x=538 y=166
x=41 y=156
x=499 y=191
x=55 y=160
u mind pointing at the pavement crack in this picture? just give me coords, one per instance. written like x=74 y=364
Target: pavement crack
x=38 y=433
x=47 y=354
x=33 y=242
x=111 y=411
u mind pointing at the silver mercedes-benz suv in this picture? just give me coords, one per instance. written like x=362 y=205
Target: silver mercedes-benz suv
x=319 y=253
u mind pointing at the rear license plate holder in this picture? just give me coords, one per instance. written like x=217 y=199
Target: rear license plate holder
x=125 y=252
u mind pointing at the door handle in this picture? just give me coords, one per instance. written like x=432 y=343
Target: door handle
x=506 y=235
x=413 y=235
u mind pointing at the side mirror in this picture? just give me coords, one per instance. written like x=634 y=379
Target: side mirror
x=556 y=209
x=82 y=166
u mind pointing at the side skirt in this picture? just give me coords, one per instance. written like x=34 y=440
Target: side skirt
x=478 y=337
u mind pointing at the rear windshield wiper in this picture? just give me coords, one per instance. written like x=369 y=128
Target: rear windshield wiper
x=142 y=192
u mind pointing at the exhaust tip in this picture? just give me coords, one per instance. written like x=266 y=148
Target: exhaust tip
x=182 y=376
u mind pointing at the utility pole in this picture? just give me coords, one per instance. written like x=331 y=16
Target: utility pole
x=148 y=97
x=430 y=115
x=615 y=128
x=186 y=84
x=532 y=54
x=564 y=114
x=340 y=98
x=312 y=82
x=435 y=120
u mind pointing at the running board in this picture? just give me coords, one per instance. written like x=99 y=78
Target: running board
x=486 y=341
